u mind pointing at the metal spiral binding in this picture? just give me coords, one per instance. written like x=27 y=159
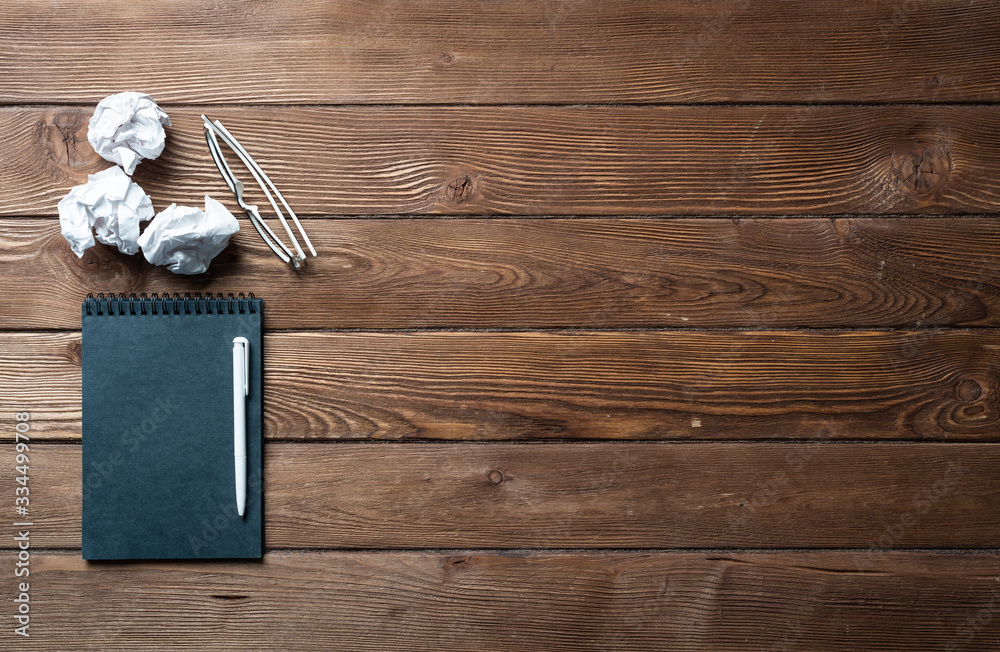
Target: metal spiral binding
x=156 y=304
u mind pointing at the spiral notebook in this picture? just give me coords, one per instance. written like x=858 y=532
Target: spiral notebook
x=159 y=469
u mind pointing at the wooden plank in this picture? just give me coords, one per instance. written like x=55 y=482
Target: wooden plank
x=932 y=385
x=610 y=495
x=715 y=160
x=438 y=51
x=466 y=600
x=555 y=273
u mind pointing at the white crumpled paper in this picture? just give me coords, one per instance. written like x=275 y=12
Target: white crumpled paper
x=186 y=239
x=127 y=128
x=111 y=204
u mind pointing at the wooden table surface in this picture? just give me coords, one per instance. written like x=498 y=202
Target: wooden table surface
x=635 y=325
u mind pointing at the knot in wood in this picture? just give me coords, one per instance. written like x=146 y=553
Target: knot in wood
x=460 y=189
x=74 y=352
x=968 y=390
x=495 y=476
x=64 y=139
x=843 y=226
x=920 y=170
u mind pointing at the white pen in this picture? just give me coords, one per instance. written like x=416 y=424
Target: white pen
x=241 y=389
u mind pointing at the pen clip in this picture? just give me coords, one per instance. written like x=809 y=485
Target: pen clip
x=245 y=344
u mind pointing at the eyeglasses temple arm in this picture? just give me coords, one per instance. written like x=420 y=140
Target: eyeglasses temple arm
x=257 y=174
x=240 y=150
x=236 y=187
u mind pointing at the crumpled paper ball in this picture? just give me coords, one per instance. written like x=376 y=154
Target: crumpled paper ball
x=112 y=205
x=186 y=239
x=127 y=128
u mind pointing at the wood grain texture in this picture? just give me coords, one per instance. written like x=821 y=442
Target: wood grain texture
x=609 y=495
x=716 y=160
x=440 y=51
x=501 y=434
x=934 y=385
x=462 y=600
x=553 y=273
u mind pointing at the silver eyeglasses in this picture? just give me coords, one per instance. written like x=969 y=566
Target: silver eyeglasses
x=214 y=131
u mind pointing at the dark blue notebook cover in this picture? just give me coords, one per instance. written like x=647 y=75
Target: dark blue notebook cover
x=158 y=470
